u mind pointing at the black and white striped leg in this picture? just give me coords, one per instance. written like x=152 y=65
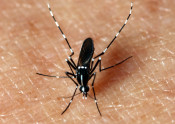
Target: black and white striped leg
x=113 y=65
x=94 y=74
x=52 y=75
x=72 y=61
x=71 y=66
x=51 y=13
x=93 y=68
x=116 y=34
x=92 y=63
x=68 y=74
x=99 y=62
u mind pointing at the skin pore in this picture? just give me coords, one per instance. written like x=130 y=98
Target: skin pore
x=141 y=90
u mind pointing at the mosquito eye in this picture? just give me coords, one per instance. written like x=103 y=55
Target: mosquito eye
x=82 y=89
x=86 y=89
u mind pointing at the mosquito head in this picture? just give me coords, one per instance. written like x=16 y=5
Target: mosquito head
x=84 y=89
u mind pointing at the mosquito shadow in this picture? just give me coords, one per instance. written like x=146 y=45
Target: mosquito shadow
x=105 y=79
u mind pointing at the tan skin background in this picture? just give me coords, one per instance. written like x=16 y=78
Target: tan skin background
x=141 y=90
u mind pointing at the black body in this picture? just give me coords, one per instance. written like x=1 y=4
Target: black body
x=83 y=66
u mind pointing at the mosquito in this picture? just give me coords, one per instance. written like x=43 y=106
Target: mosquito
x=83 y=71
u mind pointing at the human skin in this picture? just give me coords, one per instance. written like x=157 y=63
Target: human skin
x=141 y=90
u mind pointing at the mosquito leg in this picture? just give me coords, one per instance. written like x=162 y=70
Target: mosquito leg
x=71 y=66
x=51 y=13
x=93 y=68
x=92 y=63
x=68 y=74
x=70 y=101
x=52 y=76
x=113 y=65
x=116 y=34
x=99 y=62
x=94 y=74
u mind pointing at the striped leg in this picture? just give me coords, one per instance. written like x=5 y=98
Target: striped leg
x=68 y=74
x=99 y=62
x=51 y=13
x=95 y=95
x=53 y=76
x=71 y=66
x=117 y=33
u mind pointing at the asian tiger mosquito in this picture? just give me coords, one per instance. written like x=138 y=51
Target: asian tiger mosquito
x=84 y=70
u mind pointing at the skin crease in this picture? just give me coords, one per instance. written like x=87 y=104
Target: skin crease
x=141 y=90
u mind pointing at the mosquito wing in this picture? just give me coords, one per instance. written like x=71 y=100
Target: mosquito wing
x=86 y=52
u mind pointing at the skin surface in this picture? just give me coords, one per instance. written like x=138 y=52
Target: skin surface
x=141 y=90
